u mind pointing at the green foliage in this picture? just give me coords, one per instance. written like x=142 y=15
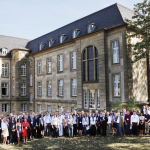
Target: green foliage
x=141 y=26
x=128 y=106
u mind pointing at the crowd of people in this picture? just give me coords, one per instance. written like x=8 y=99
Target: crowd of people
x=69 y=124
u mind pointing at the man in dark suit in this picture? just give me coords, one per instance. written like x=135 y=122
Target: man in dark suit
x=31 y=127
x=104 y=120
x=133 y=109
x=36 y=126
x=143 y=111
x=28 y=120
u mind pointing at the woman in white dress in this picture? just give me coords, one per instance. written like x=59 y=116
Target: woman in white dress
x=5 y=130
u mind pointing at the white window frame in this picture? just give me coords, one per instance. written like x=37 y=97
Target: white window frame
x=39 y=88
x=60 y=88
x=85 y=99
x=31 y=98
x=39 y=68
x=90 y=28
x=5 y=85
x=61 y=38
x=73 y=61
x=4 y=51
x=115 y=52
x=23 y=70
x=23 y=108
x=49 y=88
x=23 y=89
x=13 y=70
x=40 y=46
x=116 y=85
x=91 y=99
x=49 y=109
x=13 y=89
x=31 y=80
x=74 y=34
x=4 y=70
x=51 y=42
x=39 y=108
x=97 y=99
x=74 y=87
x=30 y=62
x=49 y=65
x=4 y=108
x=60 y=63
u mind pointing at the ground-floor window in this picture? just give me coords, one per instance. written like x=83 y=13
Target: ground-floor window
x=4 y=107
x=23 y=107
x=116 y=85
x=91 y=99
x=49 y=108
x=4 y=89
x=39 y=108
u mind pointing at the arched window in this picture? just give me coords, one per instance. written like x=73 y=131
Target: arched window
x=90 y=64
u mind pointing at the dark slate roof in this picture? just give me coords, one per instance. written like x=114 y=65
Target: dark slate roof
x=107 y=18
x=11 y=43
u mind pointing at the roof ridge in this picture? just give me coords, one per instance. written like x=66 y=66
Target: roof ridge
x=124 y=7
x=75 y=21
x=15 y=37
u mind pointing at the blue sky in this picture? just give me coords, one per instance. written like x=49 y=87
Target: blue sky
x=30 y=19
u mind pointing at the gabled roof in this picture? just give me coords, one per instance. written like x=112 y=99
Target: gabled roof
x=107 y=18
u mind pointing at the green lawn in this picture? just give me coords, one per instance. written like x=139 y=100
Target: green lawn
x=92 y=143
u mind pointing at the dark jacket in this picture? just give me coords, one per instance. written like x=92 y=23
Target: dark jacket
x=104 y=121
x=35 y=121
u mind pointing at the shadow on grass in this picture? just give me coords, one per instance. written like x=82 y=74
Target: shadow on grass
x=77 y=143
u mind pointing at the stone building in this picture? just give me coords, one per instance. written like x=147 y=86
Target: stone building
x=83 y=65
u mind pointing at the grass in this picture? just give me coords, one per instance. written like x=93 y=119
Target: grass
x=77 y=143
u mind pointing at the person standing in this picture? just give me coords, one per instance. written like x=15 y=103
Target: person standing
x=143 y=111
x=147 y=120
x=47 y=124
x=55 y=125
x=74 y=125
x=85 y=123
x=127 y=122
x=12 y=129
x=70 y=126
x=134 y=122
x=141 y=123
x=114 y=123
x=60 y=117
x=79 y=124
x=93 y=125
x=19 y=130
x=119 y=121
x=65 y=125
x=99 y=125
x=25 y=126
x=31 y=127
x=108 y=124
x=5 y=132
x=36 y=125
x=104 y=120
x=42 y=125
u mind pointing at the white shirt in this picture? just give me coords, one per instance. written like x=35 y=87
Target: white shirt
x=47 y=119
x=134 y=119
x=93 y=121
x=85 y=121
x=55 y=121
x=74 y=120
x=118 y=119
x=60 y=119
x=4 y=125
x=109 y=120
x=70 y=121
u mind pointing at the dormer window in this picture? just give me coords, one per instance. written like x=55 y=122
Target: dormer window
x=62 y=38
x=90 y=27
x=41 y=45
x=75 y=33
x=4 y=51
x=51 y=42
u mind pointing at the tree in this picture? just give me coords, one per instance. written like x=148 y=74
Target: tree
x=141 y=26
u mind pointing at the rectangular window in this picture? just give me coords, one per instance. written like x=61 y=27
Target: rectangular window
x=49 y=88
x=23 y=89
x=73 y=61
x=59 y=109
x=13 y=70
x=23 y=70
x=97 y=99
x=4 y=107
x=4 y=70
x=39 y=89
x=60 y=87
x=49 y=108
x=23 y=107
x=30 y=79
x=91 y=99
x=49 y=65
x=39 y=68
x=85 y=99
x=39 y=108
x=13 y=89
x=116 y=81
x=60 y=63
x=74 y=87
x=115 y=47
x=84 y=71
x=4 y=89
x=97 y=69
x=31 y=98
x=13 y=107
